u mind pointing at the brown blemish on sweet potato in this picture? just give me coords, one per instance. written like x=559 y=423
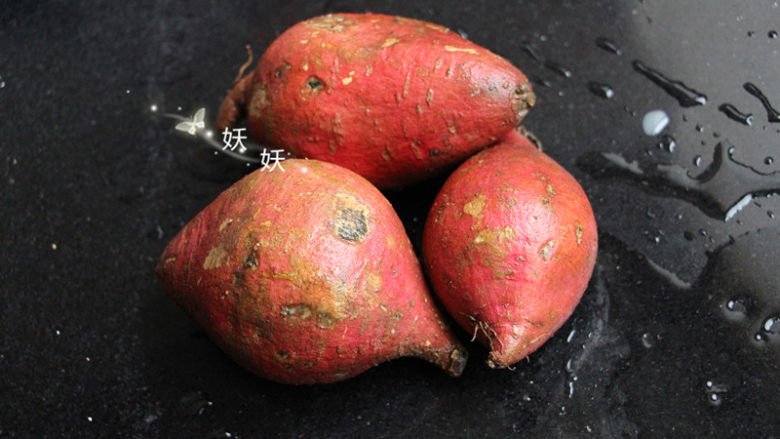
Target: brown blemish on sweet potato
x=216 y=257
x=549 y=194
x=495 y=238
x=373 y=282
x=390 y=42
x=259 y=101
x=351 y=221
x=460 y=49
x=225 y=223
x=474 y=206
x=547 y=249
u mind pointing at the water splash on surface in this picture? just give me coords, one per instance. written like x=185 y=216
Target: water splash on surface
x=719 y=190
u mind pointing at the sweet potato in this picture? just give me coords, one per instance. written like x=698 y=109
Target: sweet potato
x=509 y=245
x=306 y=276
x=394 y=99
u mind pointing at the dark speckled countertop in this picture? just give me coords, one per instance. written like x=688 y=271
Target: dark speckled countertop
x=678 y=334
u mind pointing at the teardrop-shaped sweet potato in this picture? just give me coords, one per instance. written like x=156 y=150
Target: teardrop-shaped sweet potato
x=306 y=276
x=509 y=245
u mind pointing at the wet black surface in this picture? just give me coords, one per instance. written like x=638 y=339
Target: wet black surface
x=675 y=337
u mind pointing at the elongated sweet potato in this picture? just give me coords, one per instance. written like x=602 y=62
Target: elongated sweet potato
x=509 y=245
x=306 y=276
x=394 y=99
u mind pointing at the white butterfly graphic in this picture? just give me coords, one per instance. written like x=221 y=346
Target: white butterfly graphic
x=193 y=126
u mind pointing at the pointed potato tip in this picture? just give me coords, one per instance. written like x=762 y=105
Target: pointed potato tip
x=458 y=359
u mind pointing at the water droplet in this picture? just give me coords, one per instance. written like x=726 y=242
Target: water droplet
x=557 y=68
x=647 y=340
x=649 y=213
x=571 y=336
x=736 y=308
x=630 y=112
x=601 y=90
x=771 y=214
x=57 y=332
x=716 y=134
x=608 y=45
x=686 y=96
x=216 y=152
x=153 y=108
x=463 y=34
x=654 y=122
x=679 y=216
x=178 y=108
x=751 y=33
x=697 y=160
x=772 y=34
x=734 y=114
x=703 y=232
x=758 y=337
x=769 y=160
x=699 y=128
x=720 y=191
x=89 y=418
x=772 y=114
x=771 y=325
x=667 y=143
x=541 y=81
x=127 y=91
x=195 y=403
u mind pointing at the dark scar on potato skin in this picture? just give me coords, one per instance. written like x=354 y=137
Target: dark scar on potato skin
x=351 y=225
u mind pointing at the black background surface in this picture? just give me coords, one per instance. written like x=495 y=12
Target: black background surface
x=94 y=185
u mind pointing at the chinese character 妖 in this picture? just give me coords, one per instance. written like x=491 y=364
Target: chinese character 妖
x=234 y=139
x=271 y=156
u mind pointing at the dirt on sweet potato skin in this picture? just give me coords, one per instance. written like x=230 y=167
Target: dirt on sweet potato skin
x=509 y=246
x=394 y=99
x=306 y=276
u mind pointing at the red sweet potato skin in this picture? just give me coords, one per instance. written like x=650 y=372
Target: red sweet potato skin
x=394 y=99
x=509 y=246
x=306 y=276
